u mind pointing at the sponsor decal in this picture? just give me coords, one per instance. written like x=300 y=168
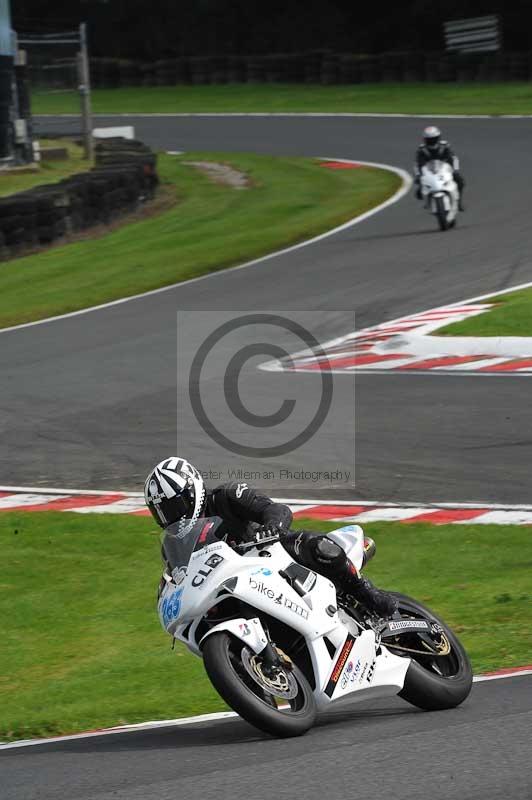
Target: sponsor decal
x=154 y=494
x=297 y=609
x=245 y=630
x=178 y=575
x=262 y=571
x=408 y=623
x=299 y=543
x=262 y=588
x=211 y=548
x=351 y=673
x=310 y=580
x=371 y=670
x=204 y=531
x=171 y=606
x=240 y=489
x=212 y=562
x=340 y=664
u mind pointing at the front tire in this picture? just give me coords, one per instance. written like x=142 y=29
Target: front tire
x=224 y=656
x=434 y=684
x=441 y=214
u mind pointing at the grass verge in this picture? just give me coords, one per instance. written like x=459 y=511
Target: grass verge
x=82 y=647
x=213 y=226
x=48 y=172
x=416 y=98
x=512 y=316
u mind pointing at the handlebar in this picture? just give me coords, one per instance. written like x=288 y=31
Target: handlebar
x=245 y=546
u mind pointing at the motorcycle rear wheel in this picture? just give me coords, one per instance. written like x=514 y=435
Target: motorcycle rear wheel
x=223 y=656
x=436 y=683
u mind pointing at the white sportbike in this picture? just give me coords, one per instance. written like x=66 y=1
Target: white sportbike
x=279 y=643
x=440 y=192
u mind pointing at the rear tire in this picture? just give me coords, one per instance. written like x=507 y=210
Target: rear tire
x=223 y=664
x=423 y=686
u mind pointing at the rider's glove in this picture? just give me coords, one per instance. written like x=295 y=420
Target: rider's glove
x=267 y=531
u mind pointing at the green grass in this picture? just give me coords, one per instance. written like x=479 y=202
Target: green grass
x=82 y=646
x=420 y=98
x=512 y=316
x=211 y=227
x=49 y=171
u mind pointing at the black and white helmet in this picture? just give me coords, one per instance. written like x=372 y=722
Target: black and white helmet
x=431 y=137
x=174 y=492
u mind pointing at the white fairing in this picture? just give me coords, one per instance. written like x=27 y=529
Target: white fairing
x=437 y=182
x=358 y=667
x=351 y=540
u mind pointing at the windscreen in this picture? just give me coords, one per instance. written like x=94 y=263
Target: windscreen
x=178 y=548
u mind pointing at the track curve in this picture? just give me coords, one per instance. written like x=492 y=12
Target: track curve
x=77 y=392
x=88 y=401
x=380 y=750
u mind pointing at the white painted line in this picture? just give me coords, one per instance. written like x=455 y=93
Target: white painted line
x=202 y=718
x=298 y=506
x=514 y=674
x=404 y=188
x=501 y=518
x=16 y=500
x=127 y=506
x=140 y=726
x=389 y=514
x=464 y=374
x=473 y=365
x=48 y=490
x=348 y=114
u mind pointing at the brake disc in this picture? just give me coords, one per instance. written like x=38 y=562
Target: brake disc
x=281 y=683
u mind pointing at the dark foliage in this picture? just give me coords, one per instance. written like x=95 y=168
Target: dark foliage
x=149 y=31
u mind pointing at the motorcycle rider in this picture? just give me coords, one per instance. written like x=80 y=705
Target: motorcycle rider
x=434 y=147
x=175 y=492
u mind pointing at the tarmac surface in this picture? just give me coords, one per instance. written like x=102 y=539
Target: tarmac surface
x=384 y=749
x=90 y=401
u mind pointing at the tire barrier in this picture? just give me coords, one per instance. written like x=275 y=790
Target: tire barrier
x=124 y=177
x=314 y=67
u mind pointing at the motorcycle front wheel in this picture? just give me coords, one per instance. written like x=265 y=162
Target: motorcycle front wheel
x=441 y=214
x=282 y=705
x=433 y=681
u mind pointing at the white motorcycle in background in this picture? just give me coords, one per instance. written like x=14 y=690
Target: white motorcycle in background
x=440 y=192
x=280 y=643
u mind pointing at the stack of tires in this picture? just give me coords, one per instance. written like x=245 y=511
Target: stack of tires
x=124 y=177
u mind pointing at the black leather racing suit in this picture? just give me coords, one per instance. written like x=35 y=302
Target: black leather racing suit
x=243 y=509
x=443 y=152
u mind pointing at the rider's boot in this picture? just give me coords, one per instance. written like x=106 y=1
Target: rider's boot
x=364 y=592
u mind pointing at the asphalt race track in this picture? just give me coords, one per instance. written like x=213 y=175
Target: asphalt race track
x=90 y=401
x=387 y=749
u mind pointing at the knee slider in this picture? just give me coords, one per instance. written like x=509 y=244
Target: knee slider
x=328 y=552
